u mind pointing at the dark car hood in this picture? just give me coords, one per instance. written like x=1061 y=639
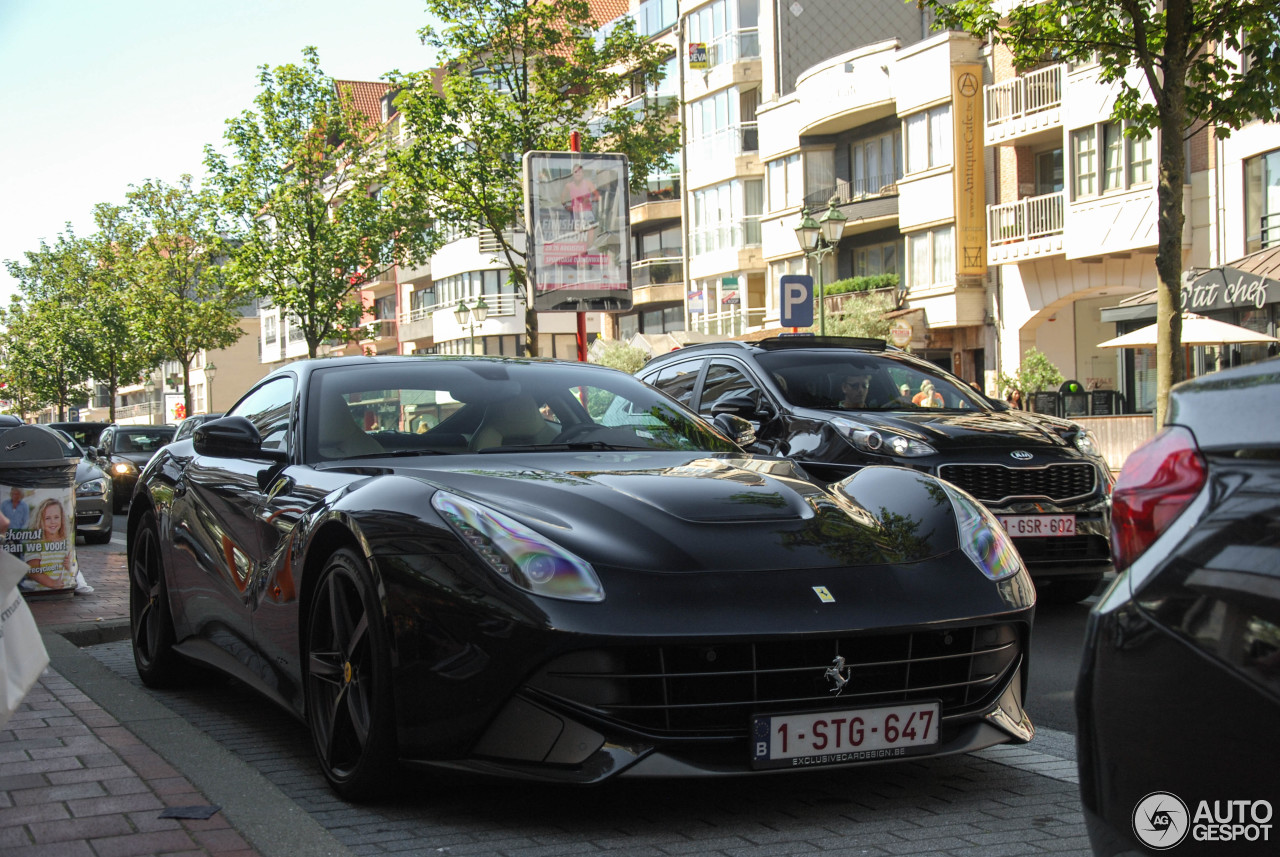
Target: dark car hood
x=138 y=458
x=956 y=429
x=691 y=511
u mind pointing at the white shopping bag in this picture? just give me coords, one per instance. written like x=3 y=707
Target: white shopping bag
x=22 y=653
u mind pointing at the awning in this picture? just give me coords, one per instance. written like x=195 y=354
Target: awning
x=1196 y=330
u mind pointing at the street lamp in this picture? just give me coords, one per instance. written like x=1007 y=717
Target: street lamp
x=818 y=238
x=210 y=370
x=472 y=316
x=150 y=387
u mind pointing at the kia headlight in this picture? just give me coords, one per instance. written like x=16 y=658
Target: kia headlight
x=1087 y=443
x=517 y=554
x=124 y=468
x=91 y=488
x=982 y=538
x=877 y=442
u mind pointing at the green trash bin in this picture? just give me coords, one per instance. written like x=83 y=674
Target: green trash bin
x=38 y=506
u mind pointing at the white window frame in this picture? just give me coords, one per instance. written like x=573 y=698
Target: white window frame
x=931 y=257
x=927 y=141
x=786 y=183
x=1106 y=160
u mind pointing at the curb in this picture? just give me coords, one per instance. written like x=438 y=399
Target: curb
x=256 y=808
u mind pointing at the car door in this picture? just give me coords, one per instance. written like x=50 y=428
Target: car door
x=728 y=379
x=677 y=380
x=217 y=557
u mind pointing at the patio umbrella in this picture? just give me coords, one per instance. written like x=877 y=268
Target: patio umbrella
x=1196 y=330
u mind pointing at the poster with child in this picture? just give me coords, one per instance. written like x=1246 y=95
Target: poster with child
x=38 y=527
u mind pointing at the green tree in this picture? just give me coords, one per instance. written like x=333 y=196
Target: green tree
x=184 y=301
x=1179 y=67
x=319 y=215
x=47 y=334
x=863 y=315
x=1035 y=373
x=519 y=76
x=621 y=355
x=118 y=353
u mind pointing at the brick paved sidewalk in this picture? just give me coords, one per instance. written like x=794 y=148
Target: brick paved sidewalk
x=79 y=779
x=102 y=615
x=75 y=781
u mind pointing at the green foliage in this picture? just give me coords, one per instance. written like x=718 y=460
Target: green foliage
x=319 y=214
x=1177 y=67
x=47 y=326
x=863 y=315
x=1036 y=373
x=862 y=284
x=519 y=76
x=621 y=355
x=182 y=299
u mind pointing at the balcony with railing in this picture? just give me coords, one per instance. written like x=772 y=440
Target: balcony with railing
x=743 y=44
x=731 y=322
x=709 y=153
x=1028 y=227
x=1028 y=104
x=850 y=191
x=658 y=271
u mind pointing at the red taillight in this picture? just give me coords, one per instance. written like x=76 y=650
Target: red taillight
x=1159 y=479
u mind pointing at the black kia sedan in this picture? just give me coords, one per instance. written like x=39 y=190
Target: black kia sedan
x=837 y=404
x=567 y=577
x=124 y=450
x=1179 y=689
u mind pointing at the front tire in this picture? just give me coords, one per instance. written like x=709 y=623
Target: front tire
x=348 y=681
x=150 y=622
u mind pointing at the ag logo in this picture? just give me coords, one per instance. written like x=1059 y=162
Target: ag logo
x=1161 y=820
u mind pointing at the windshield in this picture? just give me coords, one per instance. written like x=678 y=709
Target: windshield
x=447 y=406
x=858 y=381
x=147 y=441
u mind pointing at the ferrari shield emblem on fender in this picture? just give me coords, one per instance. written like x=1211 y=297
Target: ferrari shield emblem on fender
x=824 y=595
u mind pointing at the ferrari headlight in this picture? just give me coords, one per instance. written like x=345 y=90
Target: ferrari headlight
x=881 y=443
x=91 y=488
x=981 y=537
x=124 y=468
x=1086 y=442
x=518 y=554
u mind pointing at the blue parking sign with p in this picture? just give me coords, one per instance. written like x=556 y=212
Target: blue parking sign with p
x=797 y=300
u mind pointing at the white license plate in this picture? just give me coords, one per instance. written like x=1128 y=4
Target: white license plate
x=1028 y=526
x=833 y=737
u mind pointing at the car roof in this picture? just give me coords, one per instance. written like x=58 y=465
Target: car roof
x=776 y=343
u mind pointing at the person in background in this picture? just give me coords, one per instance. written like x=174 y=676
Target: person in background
x=854 y=388
x=16 y=509
x=928 y=397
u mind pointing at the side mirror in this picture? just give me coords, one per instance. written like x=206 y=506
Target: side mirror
x=736 y=428
x=741 y=406
x=232 y=437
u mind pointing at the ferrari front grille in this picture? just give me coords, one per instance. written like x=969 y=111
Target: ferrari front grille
x=714 y=688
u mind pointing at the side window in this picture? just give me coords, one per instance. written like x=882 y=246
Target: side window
x=677 y=380
x=725 y=380
x=269 y=408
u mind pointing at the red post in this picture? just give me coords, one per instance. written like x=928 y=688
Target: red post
x=575 y=145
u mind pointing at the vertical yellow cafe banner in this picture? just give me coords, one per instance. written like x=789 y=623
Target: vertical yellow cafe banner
x=969 y=175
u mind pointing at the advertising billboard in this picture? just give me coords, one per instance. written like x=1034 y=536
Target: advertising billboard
x=579 y=224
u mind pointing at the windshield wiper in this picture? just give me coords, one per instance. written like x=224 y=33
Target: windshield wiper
x=579 y=446
x=395 y=453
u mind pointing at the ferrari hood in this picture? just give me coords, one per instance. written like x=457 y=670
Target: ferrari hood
x=697 y=510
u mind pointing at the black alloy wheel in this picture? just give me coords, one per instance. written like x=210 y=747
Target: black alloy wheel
x=348 y=682
x=150 y=622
